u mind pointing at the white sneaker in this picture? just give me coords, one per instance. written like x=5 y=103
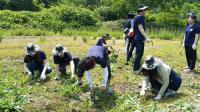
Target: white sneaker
x=187 y=71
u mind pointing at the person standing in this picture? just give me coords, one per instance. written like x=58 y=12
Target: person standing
x=129 y=36
x=34 y=60
x=140 y=36
x=190 y=42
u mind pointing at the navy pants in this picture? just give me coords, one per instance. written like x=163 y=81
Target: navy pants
x=174 y=82
x=33 y=66
x=138 y=55
x=191 y=57
x=62 y=67
x=130 y=48
x=109 y=69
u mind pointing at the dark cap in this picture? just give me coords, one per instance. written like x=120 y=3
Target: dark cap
x=107 y=35
x=130 y=15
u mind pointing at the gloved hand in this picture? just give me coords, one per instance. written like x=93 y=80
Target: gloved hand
x=29 y=73
x=148 y=40
x=183 y=45
x=194 y=46
x=142 y=92
x=158 y=97
x=42 y=76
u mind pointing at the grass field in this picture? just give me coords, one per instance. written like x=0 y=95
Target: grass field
x=18 y=93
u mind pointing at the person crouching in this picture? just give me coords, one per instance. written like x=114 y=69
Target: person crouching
x=35 y=60
x=62 y=58
x=163 y=79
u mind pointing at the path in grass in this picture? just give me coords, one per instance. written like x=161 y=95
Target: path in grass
x=64 y=96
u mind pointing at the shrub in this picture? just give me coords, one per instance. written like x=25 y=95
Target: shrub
x=19 y=5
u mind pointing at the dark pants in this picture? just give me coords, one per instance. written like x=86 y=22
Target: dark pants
x=174 y=82
x=62 y=67
x=109 y=69
x=130 y=49
x=138 y=55
x=33 y=66
x=191 y=57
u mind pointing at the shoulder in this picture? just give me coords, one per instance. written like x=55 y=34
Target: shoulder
x=139 y=17
x=164 y=69
x=67 y=54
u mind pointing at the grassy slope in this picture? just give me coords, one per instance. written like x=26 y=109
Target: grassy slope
x=64 y=96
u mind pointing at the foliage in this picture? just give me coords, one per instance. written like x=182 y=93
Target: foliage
x=55 y=19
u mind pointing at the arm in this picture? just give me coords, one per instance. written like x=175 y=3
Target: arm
x=72 y=68
x=183 y=43
x=196 y=39
x=89 y=78
x=165 y=79
x=194 y=46
x=143 y=32
x=45 y=66
x=144 y=85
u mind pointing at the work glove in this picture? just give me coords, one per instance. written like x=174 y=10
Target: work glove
x=194 y=46
x=43 y=76
x=29 y=74
x=142 y=92
x=148 y=40
x=183 y=45
x=158 y=97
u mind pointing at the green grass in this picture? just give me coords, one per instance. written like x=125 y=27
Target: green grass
x=17 y=93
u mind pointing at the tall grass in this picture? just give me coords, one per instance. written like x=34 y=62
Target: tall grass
x=117 y=33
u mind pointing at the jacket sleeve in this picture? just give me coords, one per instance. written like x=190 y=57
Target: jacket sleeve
x=145 y=83
x=164 y=73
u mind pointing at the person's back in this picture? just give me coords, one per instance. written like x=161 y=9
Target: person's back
x=137 y=21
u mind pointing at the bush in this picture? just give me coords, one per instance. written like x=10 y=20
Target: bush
x=107 y=13
x=55 y=19
x=19 y=5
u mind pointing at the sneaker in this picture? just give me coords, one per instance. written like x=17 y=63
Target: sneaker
x=187 y=71
x=79 y=83
x=137 y=72
x=109 y=91
x=57 y=78
x=126 y=63
x=169 y=93
x=186 y=67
